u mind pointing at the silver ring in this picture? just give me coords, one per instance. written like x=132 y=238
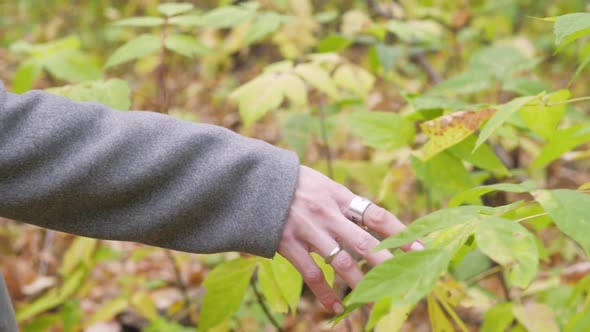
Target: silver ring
x=357 y=209
x=333 y=254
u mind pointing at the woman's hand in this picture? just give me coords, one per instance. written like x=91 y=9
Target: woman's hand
x=318 y=223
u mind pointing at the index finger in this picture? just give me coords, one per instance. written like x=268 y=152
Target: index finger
x=386 y=224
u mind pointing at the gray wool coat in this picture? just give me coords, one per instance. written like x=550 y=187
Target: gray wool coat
x=86 y=169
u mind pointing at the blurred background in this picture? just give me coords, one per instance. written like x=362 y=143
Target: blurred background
x=333 y=61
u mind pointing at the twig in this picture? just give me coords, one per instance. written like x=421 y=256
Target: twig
x=325 y=144
x=178 y=277
x=421 y=60
x=264 y=307
x=161 y=70
x=47 y=244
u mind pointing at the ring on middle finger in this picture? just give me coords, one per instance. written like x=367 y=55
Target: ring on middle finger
x=357 y=209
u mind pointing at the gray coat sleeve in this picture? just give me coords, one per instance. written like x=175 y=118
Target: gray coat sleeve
x=85 y=169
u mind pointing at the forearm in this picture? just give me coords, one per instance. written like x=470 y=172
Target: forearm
x=85 y=169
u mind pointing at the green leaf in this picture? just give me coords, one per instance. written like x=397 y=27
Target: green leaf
x=225 y=287
x=136 y=48
x=113 y=93
x=498 y=318
x=504 y=112
x=451 y=129
x=333 y=44
x=432 y=222
x=471 y=81
x=439 y=320
x=188 y=20
x=382 y=130
x=80 y=251
x=27 y=72
x=354 y=79
x=142 y=21
x=536 y=317
x=474 y=193
x=145 y=306
x=387 y=318
x=270 y=287
x=319 y=78
x=71 y=315
x=173 y=9
x=40 y=305
x=281 y=284
x=42 y=323
x=186 y=45
x=544 y=120
x=108 y=310
x=327 y=269
x=258 y=97
x=524 y=86
x=264 y=25
x=444 y=175
x=402 y=278
x=561 y=142
x=510 y=245
x=72 y=66
x=484 y=157
x=388 y=55
x=500 y=61
x=411 y=32
x=569 y=210
x=426 y=102
x=581 y=67
x=294 y=88
x=570 y=27
x=226 y=17
x=580 y=322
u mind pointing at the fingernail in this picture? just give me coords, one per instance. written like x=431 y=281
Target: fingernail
x=338 y=308
x=416 y=246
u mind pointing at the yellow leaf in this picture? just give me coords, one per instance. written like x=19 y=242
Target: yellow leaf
x=451 y=129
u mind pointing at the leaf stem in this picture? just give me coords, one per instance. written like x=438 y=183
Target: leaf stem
x=452 y=313
x=569 y=101
x=264 y=307
x=484 y=275
x=532 y=217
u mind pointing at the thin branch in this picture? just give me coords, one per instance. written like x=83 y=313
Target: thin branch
x=178 y=277
x=264 y=307
x=421 y=60
x=325 y=144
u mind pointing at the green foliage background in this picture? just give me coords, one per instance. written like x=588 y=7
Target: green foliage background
x=459 y=116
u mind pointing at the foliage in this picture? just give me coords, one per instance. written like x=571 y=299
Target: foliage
x=457 y=116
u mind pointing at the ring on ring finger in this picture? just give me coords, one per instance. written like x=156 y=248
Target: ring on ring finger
x=333 y=254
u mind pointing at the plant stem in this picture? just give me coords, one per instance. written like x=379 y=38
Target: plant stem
x=532 y=217
x=178 y=277
x=325 y=144
x=161 y=70
x=452 y=313
x=484 y=275
x=569 y=101
x=264 y=307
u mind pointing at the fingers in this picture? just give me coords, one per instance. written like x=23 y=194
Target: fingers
x=343 y=263
x=361 y=241
x=313 y=277
x=385 y=223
